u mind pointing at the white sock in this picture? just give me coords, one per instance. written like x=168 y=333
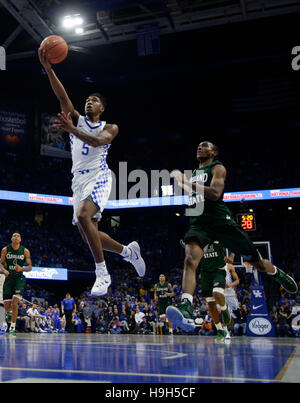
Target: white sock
x=273 y=274
x=101 y=269
x=219 y=326
x=187 y=296
x=125 y=251
x=12 y=326
x=223 y=308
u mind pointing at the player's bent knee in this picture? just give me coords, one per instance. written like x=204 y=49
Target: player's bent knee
x=16 y=298
x=83 y=217
x=210 y=299
x=218 y=290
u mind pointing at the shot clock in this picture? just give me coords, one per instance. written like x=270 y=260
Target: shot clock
x=246 y=221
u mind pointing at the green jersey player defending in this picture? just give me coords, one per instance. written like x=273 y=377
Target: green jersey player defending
x=213 y=284
x=214 y=223
x=163 y=293
x=13 y=258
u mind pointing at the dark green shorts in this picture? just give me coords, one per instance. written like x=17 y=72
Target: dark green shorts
x=228 y=233
x=13 y=286
x=210 y=280
x=162 y=306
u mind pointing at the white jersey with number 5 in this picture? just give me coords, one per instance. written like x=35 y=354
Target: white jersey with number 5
x=84 y=156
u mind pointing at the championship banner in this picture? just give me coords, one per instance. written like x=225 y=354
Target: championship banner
x=14 y=130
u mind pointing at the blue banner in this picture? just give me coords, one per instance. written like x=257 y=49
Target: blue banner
x=259 y=323
x=47 y=273
x=273 y=194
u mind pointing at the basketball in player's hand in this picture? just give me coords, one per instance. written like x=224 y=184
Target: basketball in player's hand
x=56 y=48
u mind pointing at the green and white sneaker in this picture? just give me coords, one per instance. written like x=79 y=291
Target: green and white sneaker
x=220 y=337
x=286 y=281
x=226 y=318
x=12 y=333
x=182 y=315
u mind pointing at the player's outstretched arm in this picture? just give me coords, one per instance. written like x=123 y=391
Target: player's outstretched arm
x=58 y=88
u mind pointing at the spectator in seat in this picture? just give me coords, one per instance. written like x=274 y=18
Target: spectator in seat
x=206 y=327
x=77 y=323
x=115 y=325
x=282 y=326
x=152 y=321
x=296 y=327
x=23 y=320
x=87 y=313
x=240 y=324
x=138 y=318
x=33 y=315
x=145 y=327
x=101 y=325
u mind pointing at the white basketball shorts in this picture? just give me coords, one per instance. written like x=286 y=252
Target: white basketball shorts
x=94 y=183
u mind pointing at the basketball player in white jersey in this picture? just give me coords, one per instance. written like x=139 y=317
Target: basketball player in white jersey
x=90 y=139
x=232 y=280
x=3 y=273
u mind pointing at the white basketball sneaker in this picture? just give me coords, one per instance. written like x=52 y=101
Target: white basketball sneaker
x=135 y=258
x=101 y=285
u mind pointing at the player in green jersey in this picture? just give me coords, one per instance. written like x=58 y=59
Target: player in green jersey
x=215 y=222
x=163 y=293
x=13 y=258
x=213 y=283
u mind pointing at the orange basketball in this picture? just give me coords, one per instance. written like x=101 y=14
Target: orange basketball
x=56 y=48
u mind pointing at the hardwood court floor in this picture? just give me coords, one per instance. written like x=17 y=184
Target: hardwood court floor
x=77 y=358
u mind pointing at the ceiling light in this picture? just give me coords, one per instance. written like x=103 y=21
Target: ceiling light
x=68 y=22
x=79 y=30
x=78 y=20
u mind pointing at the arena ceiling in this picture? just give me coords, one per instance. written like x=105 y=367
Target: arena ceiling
x=123 y=27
